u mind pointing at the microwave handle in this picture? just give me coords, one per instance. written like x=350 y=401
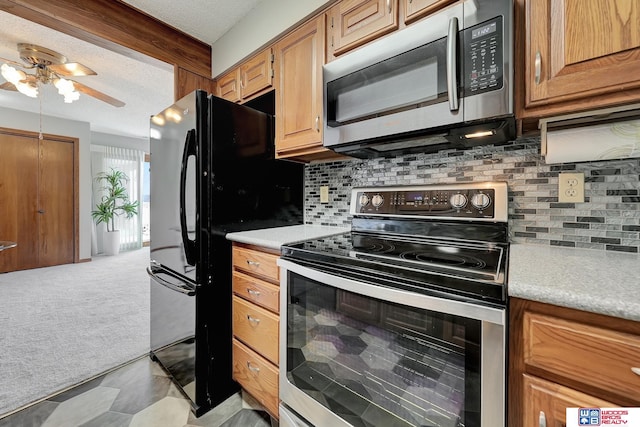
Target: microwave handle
x=452 y=55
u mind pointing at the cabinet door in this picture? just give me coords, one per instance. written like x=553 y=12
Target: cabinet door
x=299 y=60
x=416 y=9
x=228 y=86
x=355 y=22
x=544 y=400
x=578 y=49
x=256 y=74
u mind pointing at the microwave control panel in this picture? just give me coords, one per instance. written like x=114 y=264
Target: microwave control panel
x=483 y=57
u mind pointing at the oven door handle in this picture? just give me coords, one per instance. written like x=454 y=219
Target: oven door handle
x=399 y=296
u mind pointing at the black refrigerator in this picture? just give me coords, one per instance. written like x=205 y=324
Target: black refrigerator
x=212 y=172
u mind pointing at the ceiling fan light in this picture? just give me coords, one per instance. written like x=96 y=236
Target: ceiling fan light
x=12 y=75
x=64 y=86
x=71 y=96
x=31 y=90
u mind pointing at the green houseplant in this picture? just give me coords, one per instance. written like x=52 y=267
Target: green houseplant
x=114 y=202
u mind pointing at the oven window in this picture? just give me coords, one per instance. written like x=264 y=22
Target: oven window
x=375 y=363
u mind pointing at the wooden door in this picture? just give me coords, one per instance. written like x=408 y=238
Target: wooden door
x=19 y=201
x=55 y=203
x=38 y=194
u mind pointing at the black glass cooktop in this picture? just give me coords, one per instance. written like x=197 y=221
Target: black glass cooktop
x=469 y=268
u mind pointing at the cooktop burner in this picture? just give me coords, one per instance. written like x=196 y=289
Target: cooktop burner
x=432 y=239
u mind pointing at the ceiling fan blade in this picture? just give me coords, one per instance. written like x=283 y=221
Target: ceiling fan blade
x=8 y=86
x=97 y=94
x=19 y=64
x=72 y=69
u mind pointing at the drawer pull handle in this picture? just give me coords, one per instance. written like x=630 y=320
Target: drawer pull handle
x=635 y=370
x=252 y=319
x=542 y=419
x=256 y=263
x=253 y=292
x=253 y=369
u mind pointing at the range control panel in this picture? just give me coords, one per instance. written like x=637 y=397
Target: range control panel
x=478 y=201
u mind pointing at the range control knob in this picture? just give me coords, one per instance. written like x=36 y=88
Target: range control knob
x=458 y=201
x=364 y=200
x=377 y=200
x=480 y=201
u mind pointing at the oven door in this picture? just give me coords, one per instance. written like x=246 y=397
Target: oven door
x=356 y=354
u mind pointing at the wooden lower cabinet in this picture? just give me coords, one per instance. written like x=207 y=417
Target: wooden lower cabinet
x=256 y=323
x=565 y=358
x=257 y=376
x=546 y=402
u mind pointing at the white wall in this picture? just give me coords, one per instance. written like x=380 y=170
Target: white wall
x=14 y=119
x=263 y=24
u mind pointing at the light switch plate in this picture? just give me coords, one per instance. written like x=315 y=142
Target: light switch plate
x=571 y=188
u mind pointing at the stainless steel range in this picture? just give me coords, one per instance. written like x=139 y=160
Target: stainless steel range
x=402 y=320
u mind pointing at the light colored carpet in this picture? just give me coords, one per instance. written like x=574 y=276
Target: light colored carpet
x=62 y=325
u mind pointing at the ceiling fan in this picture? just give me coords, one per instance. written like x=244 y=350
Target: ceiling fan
x=50 y=68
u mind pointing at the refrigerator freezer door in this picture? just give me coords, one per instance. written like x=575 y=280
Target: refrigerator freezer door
x=173 y=177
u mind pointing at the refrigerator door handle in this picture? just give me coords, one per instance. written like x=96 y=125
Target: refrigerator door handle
x=190 y=246
x=184 y=288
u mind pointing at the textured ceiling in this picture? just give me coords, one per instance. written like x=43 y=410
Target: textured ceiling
x=146 y=89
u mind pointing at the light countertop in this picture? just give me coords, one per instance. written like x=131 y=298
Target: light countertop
x=273 y=238
x=602 y=282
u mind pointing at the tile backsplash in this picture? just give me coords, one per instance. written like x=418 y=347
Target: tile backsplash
x=609 y=219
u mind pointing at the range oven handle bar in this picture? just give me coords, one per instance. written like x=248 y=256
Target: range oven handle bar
x=399 y=296
x=185 y=288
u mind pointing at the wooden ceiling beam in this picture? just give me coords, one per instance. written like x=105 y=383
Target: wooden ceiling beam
x=114 y=25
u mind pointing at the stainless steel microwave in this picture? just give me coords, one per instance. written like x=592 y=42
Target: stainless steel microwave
x=443 y=82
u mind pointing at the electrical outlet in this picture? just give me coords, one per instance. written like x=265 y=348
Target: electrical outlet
x=571 y=188
x=324 y=194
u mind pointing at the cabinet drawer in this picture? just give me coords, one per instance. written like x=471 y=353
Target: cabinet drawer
x=549 y=401
x=256 y=262
x=595 y=356
x=256 y=375
x=257 y=291
x=256 y=327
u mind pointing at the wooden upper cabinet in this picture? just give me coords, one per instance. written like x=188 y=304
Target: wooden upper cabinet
x=416 y=9
x=299 y=57
x=353 y=23
x=253 y=77
x=228 y=86
x=580 y=55
x=256 y=74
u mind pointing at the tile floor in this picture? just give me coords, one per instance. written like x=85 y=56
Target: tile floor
x=138 y=394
